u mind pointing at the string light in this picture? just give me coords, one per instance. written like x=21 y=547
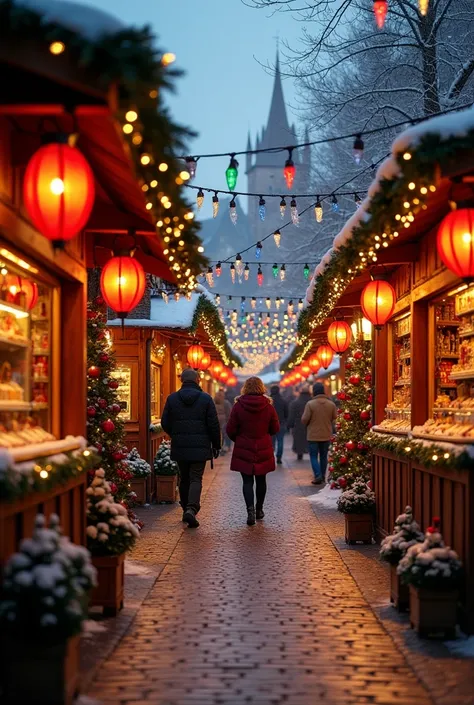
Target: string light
x=215 y=205
x=259 y=276
x=57 y=48
x=290 y=307
x=253 y=302
x=239 y=265
x=191 y=165
x=210 y=277
x=357 y=200
x=258 y=250
x=318 y=210
x=380 y=12
x=246 y=272
x=277 y=302
x=295 y=218
x=282 y=207
x=233 y=212
x=289 y=170
x=334 y=204
x=232 y=273
x=300 y=304
x=275 y=270
x=242 y=304
x=268 y=302
x=232 y=173
x=277 y=237
x=218 y=269
x=306 y=271
x=423 y=6
x=358 y=149
x=282 y=273
x=200 y=199
x=165 y=296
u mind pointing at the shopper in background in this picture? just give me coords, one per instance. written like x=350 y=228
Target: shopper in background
x=319 y=416
x=297 y=407
x=281 y=407
x=223 y=408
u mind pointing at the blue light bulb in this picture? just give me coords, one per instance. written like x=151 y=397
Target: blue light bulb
x=262 y=209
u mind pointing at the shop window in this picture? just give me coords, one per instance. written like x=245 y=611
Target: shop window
x=398 y=411
x=123 y=375
x=155 y=393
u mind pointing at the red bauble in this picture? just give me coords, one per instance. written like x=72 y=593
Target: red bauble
x=343 y=460
x=348 y=365
x=369 y=425
x=341 y=395
x=103 y=357
x=355 y=380
x=332 y=439
x=99 y=301
x=102 y=403
x=90 y=315
x=358 y=355
x=370 y=398
x=350 y=445
x=361 y=446
x=91 y=411
x=93 y=371
x=333 y=486
x=365 y=415
x=107 y=426
x=369 y=484
x=117 y=456
x=342 y=482
x=330 y=469
x=347 y=416
x=113 y=384
x=115 y=408
x=368 y=377
x=338 y=426
x=340 y=411
x=113 y=487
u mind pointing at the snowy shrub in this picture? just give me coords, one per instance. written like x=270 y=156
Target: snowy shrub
x=431 y=564
x=137 y=465
x=163 y=464
x=45 y=587
x=406 y=533
x=109 y=530
x=359 y=499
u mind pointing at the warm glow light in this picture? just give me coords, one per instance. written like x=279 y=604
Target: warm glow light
x=163 y=166
x=131 y=115
x=122 y=284
x=455 y=242
x=168 y=58
x=378 y=301
x=325 y=355
x=339 y=336
x=57 y=48
x=314 y=363
x=194 y=356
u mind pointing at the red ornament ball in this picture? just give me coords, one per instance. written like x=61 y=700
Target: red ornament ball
x=102 y=403
x=108 y=426
x=338 y=426
x=113 y=384
x=358 y=355
x=370 y=398
x=347 y=416
x=350 y=445
x=330 y=469
x=115 y=408
x=91 y=315
x=348 y=365
x=104 y=357
x=368 y=377
x=333 y=486
x=365 y=415
x=340 y=411
x=117 y=456
x=342 y=482
x=355 y=380
x=343 y=460
x=99 y=301
x=94 y=371
x=91 y=411
x=113 y=488
x=361 y=446
x=341 y=395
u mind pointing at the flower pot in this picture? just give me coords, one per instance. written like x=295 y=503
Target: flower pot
x=138 y=485
x=166 y=488
x=110 y=581
x=358 y=528
x=399 y=592
x=434 y=612
x=38 y=674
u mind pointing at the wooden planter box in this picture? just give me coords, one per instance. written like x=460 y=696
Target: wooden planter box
x=358 y=528
x=166 y=488
x=39 y=674
x=138 y=485
x=110 y=582
x=399 y=592
x=434 y=612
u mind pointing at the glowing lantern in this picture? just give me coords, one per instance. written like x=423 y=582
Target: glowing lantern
x=325 y=355
x=58 y=191
x=378 y=301
x=122 y=284
x=314 y=363
x=194 y=356
x=216 y=368
x=224 y=375
x=339 y=336
x=232 y=381
x=380 y=12
x=23 y=292
x=205 y=362
x=297 y=377
x=456 y=242
x=305 y=369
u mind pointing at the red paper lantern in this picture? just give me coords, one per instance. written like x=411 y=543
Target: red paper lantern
x=305 y=369
x=455 y=242
x=216 y=368
x=224 y=375
x=23 y=292
x=378 y=301
x=194 y=356
x=380 y=12
x=325 y=355
x=232 y=381
x=58 y=190
x=122 y=283
x=339 y=336
x=314 y=363
x=205 y=361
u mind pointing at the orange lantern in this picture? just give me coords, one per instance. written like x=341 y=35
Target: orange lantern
x=224 y=375
x=216 y=368
x=314 y=363
x=232 y=381
x=339 y=336
x=305 y=369
x=325 y=355
x=122 y=284
x=378 y=301
x=205 y=361
x=455 y=242
x=23 y=292
x=194 y=356
x=58 y=190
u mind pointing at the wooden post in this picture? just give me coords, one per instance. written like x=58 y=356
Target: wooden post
x=73 y=358
x=381 y=377
x=420 y=377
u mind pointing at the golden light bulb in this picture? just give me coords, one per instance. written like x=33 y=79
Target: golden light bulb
x=127 y=128
x=153 y=93
x=137 y=139
x=200 y=248
x=57 y=186
x=145 y=159
x=131 y=115
x=184 y=175
x=57 y=48
x=163 y=166
x=168 y=58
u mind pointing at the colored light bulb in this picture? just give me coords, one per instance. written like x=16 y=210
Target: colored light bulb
x=259 y=276
x=358 y=149
x=306 y=271
x=239 y=265
x=210 y=277
x=215 y=205
x=233 y=212
x=253 y=302
x=334 y=205
x=268 y=302
x=289 y=171
x=282 y=207
x=200 y=199
x=282 y=272
x=262 y=209
x=218 y=269
x=232 y=173
x=258 y=250
x=277 y=237
x=318 y=211
x=423 y=6
x=232 y=273
x=275 y=271
x=380 y=12
x=295 y=218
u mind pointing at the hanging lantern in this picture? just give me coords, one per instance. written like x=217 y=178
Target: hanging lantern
x=194 y=356
x=122 y=283
x=378 y=301
x=191 y=165
x=262 y=209
x=275 y=270
x=305 y=370
x=318 y=211
x=205 y=362
x=277 y=237
x=306 y=271
x=216 y=368
x=23 y=292
x=58 y=190
x=289 y=170
x=314 y=363
x=224 y=375
x=295 y=218
x=232 y=381
x=259 y=276
x=455 y=242
x=233 y=212
x=231 y=173
x=282 y=207
x=200 y=199
x=215 y=205
x=325 y=355
x=339 y=336
x=380 y=12
x=358 y=149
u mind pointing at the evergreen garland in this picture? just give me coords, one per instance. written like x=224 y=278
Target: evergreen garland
x=207 y=315
x=428 y=453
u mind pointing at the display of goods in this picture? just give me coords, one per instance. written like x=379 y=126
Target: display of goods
x=446 y=312
x=404 y=326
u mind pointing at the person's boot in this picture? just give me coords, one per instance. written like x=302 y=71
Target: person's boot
x=250 y=516
x=259 y=513
x=189 y=517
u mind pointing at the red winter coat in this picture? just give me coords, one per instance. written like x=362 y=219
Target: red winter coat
x=252 y=423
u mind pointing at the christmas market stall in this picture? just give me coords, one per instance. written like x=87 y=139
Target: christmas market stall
x=406 y=258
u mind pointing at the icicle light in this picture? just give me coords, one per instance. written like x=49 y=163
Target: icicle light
x=218 y=269
x=282 y=207
x=262 y=209
x=295 y=218
x=215 y=205
x=318 y=211
x=233 y=211
x=200 y=198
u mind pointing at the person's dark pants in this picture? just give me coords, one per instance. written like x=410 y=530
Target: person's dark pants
x=278 y=440
x=318 y=453
x=190 y=484
x=260 y=489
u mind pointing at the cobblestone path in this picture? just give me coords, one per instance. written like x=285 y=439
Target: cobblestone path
x=266 y=614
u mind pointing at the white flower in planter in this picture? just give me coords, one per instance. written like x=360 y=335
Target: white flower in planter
x=137 y=465
x=431 y=564
x=406 y=533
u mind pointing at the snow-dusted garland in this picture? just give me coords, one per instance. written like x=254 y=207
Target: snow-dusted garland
x=429 y=453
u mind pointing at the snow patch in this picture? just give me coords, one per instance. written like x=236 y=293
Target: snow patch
x=462 y=647
x=90 y=626
x=134 y=568
x=326 y=497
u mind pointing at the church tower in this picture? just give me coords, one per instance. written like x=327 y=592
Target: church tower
x=265 y=170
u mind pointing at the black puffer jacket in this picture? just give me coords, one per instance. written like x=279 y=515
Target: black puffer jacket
x=190 y=419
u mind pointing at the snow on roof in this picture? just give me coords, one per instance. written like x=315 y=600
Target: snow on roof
x=446 y=126
x=84 y=19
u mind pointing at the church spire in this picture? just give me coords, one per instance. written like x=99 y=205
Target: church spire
x=277 y=131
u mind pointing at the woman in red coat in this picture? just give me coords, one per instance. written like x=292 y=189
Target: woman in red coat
x=252 y=423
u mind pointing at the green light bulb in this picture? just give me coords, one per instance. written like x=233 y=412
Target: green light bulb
x=231 y=173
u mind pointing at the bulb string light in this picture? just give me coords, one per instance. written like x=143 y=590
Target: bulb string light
x=251 y=194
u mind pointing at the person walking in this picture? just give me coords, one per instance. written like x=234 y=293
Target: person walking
x=252 y=422
x=223 y=408
x=190 y=419
x=297 y=407
x=319 y=416
x=281 y=407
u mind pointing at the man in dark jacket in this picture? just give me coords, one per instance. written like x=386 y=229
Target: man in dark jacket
x=190 y=419
x=281 y=407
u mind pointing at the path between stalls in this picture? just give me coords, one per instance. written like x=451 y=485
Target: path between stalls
x=265 y=614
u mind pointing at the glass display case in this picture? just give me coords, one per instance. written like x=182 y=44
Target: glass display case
x=123 y=375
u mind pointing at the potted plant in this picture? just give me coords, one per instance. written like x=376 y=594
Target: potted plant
x=166 y=471
x=406 y=533
x=141 y=471
x=43 y=604
x=433 y=572
x=110 y=534
x=357 y=504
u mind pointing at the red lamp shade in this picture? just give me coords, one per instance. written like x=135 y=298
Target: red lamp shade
x=339 y=336
x=380 y=12
x=325 y=355
x=314 y=363
x=224 y=375
x=205 y=361
x=194 y=356
x=289 y=171
x=22 y=292
x=122 y=284
x=378 y=301
x=216 y=368
x=297 y=376
x=456 y=242
x=58 y=191
x=305 y=369
x=232 y=381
